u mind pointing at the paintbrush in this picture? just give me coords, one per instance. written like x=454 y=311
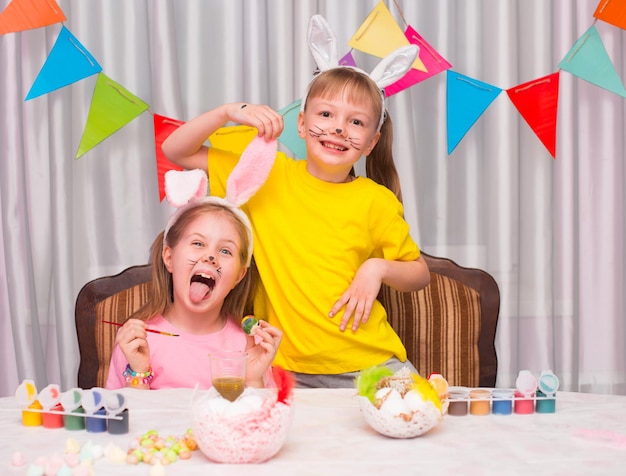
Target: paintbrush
x=147 y=330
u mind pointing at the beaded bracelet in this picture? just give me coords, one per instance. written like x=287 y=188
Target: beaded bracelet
x=135 y=378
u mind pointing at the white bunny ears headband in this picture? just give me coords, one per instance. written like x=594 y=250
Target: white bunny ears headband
x=187 y=189
x=323 y=46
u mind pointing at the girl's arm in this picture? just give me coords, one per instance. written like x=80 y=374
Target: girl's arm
x=185 y=146
x=405 y=276
x=261 y=349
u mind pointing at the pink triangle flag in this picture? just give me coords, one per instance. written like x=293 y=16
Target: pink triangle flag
x=112 y=107
x=68 y=62
x=537 y=102
x=433 y=61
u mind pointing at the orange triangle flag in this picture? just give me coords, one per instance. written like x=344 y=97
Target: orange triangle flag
x=20 y=15
x=380 y=35
x=537 y=102
x=163 y=127
x=613 y=12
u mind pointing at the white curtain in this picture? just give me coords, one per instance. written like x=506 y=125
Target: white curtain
x=551 y=232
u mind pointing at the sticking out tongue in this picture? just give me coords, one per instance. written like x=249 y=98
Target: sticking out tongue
x=200 y=288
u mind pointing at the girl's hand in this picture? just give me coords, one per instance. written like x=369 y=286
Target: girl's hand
x=261 y=351
x=264 y=118
x=131 y=338
x=360 y=295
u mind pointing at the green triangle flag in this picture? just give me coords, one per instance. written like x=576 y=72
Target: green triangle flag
x=589 y=60
x=112 y=107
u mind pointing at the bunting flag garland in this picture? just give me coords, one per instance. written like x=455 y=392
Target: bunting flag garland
x=589 y=60
x=613 y=12
x=537 y=102
x=163 y=127
x=112 y=107
x=68 y=62
x=433 y=61
x=379 y=35
x=290 y=137
x=466 y=100
x=20 y=15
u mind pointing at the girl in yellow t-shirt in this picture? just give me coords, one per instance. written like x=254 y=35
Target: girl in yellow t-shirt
x=325 y=240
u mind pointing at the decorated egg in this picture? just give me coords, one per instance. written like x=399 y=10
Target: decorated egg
x=392 y=402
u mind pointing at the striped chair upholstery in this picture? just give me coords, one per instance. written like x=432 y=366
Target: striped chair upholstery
x=449 y=326
x=110 y=298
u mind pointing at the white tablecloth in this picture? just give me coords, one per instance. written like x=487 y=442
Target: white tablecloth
x=585 y=436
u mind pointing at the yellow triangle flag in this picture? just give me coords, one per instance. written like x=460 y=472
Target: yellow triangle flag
x=380 y=35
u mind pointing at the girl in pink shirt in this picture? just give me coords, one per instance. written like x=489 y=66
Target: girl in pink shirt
x=201 y=289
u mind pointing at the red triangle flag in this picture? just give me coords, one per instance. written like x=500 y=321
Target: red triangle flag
x=163 y=127
x=20 y=15
x=537 y=102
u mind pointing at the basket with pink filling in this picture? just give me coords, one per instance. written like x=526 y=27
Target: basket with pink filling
x=252 y=429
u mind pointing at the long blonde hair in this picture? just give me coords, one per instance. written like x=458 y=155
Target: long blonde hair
x=237 y=303
x=359 y=88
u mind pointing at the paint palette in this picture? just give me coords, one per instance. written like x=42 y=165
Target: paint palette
x=95 y=410
x=530 y=395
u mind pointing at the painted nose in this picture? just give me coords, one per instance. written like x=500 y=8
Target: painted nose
x=338 y=130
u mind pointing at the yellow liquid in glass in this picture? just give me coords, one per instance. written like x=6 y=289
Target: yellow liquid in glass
x=229 y=387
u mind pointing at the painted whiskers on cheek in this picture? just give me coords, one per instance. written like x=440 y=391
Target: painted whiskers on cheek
x=318 y=132
x=195 y=262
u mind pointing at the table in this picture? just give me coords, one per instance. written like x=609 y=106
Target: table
x=585 y=436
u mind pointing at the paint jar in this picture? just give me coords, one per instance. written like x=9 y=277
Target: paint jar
x=545 y=403
x=115 y=405
x=457 y=401
x=71 y=400
x=526 y=385
x=53 y=420
x=548 y=384
x=501 y=401
x=480 y=401
x=32 y=418
x=74 y=423
x=119 y=424
x=96 y=423
x=524 y=404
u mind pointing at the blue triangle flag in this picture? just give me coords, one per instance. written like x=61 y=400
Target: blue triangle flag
x=466 y=100
x=289 y=137
x=589 y=60
x=67 y=63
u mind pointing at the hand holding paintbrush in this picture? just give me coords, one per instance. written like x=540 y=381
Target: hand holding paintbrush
x=147 y=330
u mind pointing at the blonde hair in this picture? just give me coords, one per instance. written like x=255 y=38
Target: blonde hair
x=237 y=303
x=360 y=88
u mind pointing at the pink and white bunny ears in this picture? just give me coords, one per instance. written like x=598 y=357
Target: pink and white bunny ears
x=187 y=189
x=323 y=46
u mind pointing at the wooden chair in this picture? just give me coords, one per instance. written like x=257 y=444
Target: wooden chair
x=110 y=298
x=449 y=327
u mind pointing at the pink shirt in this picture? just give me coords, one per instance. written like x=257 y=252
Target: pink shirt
x=180 y=362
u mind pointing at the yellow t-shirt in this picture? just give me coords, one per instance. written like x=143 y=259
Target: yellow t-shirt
x=310 y=237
